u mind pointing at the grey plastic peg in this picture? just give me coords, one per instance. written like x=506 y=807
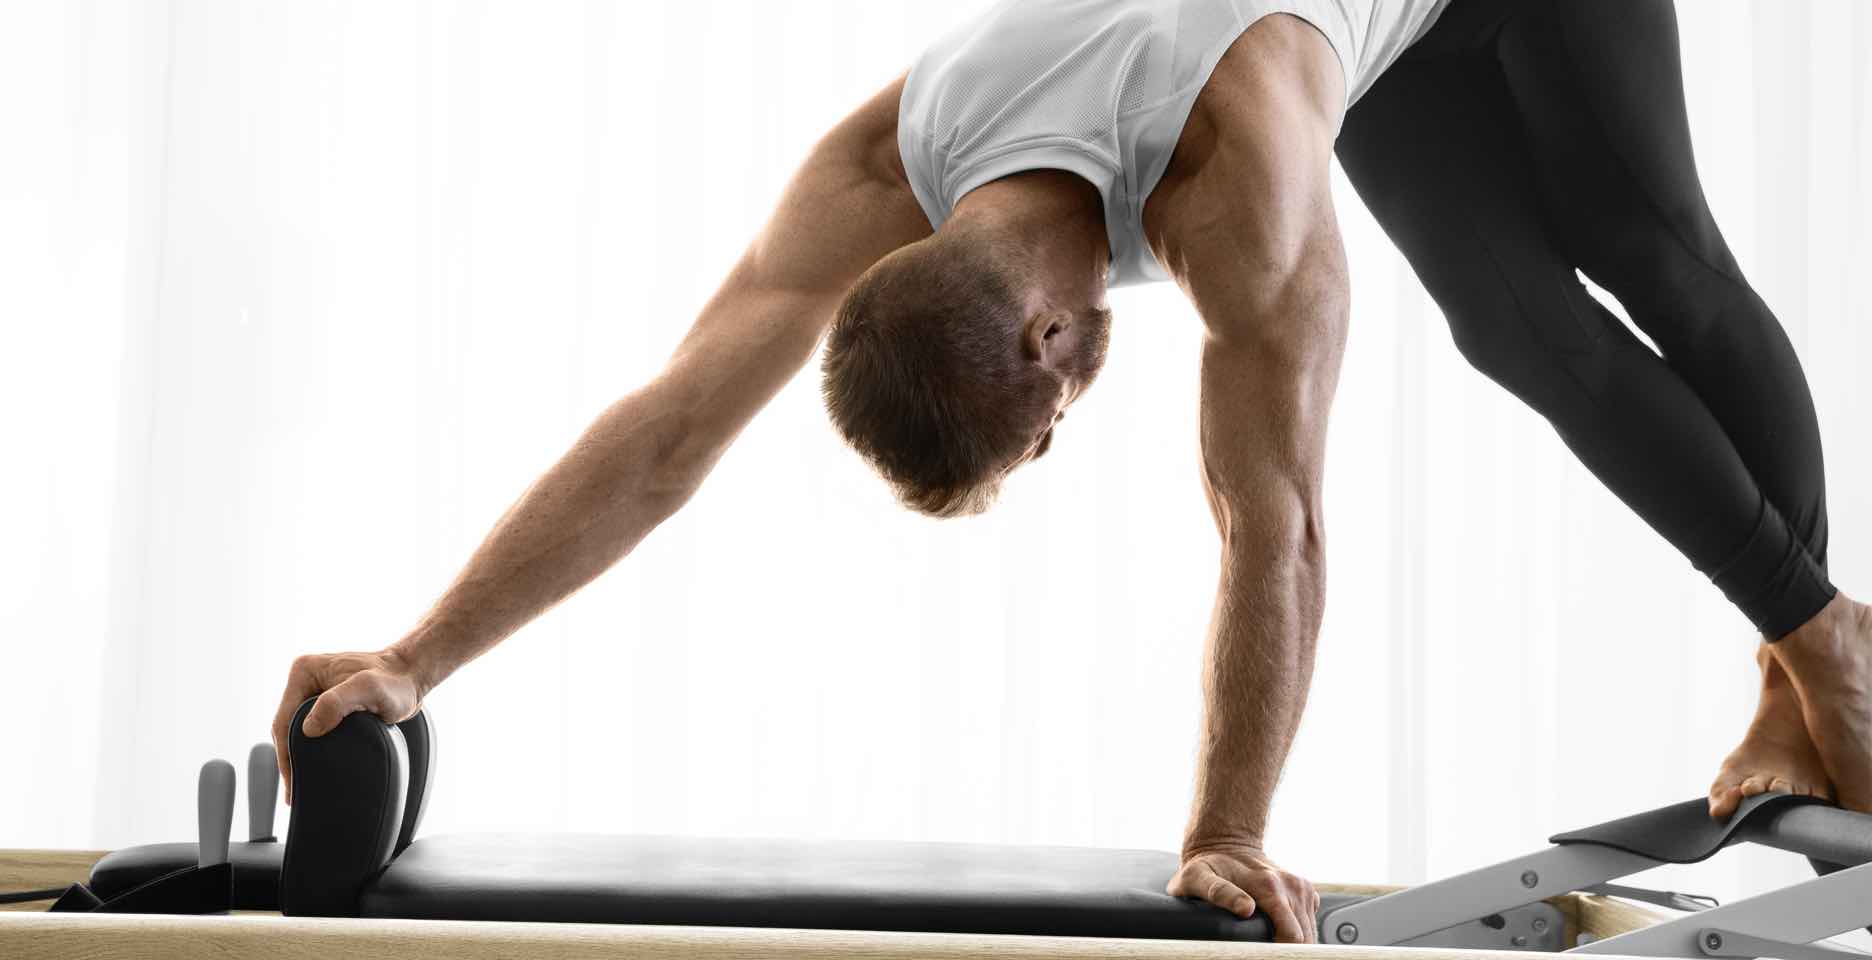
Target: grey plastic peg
x=262 y=791
x=214 y=811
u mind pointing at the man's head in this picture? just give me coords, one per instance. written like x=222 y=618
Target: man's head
x=950 y=361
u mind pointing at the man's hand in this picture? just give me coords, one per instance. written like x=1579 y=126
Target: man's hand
x=1245 y=223
x=382 y=683
x=1238 y=877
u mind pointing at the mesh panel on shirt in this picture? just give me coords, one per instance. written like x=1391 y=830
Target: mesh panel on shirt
x=1042 y=77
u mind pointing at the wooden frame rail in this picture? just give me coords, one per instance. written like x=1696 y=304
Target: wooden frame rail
x=30 y=936
x=42 y=870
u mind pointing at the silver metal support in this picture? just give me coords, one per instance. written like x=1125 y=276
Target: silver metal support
x=1728 y=943
x=1427 y=908
x=1808 y=911
x=1814 y=830
x=1537 y=926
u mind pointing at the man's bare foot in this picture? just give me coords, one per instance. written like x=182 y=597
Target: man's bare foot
x=1829 y=661
x=1776 y=754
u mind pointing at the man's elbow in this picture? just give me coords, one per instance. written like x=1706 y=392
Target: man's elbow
x=1283 y=522
x=684 y=456
x=1296 y=319
x=643 y=455
x=669 y=490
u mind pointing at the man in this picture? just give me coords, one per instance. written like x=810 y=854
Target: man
x=1060 y=146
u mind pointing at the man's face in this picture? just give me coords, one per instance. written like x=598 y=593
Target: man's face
x=1044 y=440
x=1086 y=357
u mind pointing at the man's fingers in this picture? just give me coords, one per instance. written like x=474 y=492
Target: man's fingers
x=1309 y=905
x=299 y=685
x=1219 y=891
x=1278 y=904
x=1281 y=896
x=354 y=694
x=1199 y=879
x=284 y=761
x=1241 y=885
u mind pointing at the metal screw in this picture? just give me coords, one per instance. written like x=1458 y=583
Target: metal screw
x=1347 y=933
x=1518 y=940
x=1540 y=924
x=1529 y=878
x=1712 y=941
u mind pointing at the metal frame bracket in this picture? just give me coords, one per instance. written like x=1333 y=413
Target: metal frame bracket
x=1784 y=919
x=1415 y=912
x=1727 y=943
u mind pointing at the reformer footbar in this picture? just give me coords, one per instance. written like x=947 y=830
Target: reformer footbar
x=1782 y=923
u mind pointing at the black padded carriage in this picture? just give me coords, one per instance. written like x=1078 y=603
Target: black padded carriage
x=352 y=850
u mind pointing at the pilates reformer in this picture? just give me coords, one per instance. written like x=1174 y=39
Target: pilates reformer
x=352 y=850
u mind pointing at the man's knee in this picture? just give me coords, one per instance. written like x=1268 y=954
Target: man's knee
x=1496 y=345
x=1672 y=271
x=1684 y=303
x=1539 y=358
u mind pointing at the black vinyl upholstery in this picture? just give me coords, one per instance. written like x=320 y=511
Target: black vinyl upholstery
x=256 y=870
x=349 y=791
x=256 y=864
x=359 y=792
x=929 y=887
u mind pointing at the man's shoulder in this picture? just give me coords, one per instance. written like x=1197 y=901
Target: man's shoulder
x=1279 y=77
x=1261 y=128
x=864 y=143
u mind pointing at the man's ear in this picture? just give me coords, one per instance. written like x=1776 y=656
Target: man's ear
x=1042 y=338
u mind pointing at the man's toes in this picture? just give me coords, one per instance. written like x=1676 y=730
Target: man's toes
x=1754 y=784
x=1818 y=791
x=1724 y=798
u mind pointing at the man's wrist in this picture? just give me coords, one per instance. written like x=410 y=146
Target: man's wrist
x=417 y=656
x=1210 y=829
x=1211 y=842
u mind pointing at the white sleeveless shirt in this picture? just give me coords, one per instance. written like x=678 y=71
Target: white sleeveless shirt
x=1101 y=88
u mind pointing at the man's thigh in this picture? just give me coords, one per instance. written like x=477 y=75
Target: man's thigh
x=1598 y=88
x=1436 y=152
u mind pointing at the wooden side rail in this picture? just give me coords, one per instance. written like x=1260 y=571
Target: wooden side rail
x=41 y=870
x=106 y=937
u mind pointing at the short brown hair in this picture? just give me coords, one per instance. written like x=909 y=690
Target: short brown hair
x=926 y=378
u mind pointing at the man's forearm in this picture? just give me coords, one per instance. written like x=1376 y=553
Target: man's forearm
x=1258 y=664
x=627 y=473
x=1267 y=389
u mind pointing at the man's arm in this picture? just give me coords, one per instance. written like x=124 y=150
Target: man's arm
x=644 y=457
x=1260 y=255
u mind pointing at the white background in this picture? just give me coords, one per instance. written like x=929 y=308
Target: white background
x=297 y=297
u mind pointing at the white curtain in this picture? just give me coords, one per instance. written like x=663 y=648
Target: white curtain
x=296 y=297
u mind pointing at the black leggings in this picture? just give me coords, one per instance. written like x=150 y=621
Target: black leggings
x=1522 y=139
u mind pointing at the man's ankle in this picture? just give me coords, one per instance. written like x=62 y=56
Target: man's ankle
x=1822 y=626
